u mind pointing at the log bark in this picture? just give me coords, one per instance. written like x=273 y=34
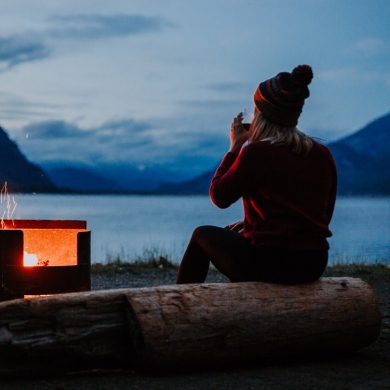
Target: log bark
x=184 y=325
x=60 y=333
x=203 y=324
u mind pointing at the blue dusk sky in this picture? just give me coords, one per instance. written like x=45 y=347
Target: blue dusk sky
x=157 y=83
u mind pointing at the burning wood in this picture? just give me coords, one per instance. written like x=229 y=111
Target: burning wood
x=44 y=257
x=30 y=260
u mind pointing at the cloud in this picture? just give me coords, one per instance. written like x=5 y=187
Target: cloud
x=60 y=141
x=15 y=50
x=32 y=45
x=53 y=130
x=13 y=107
x=100 y=26
x=232 y=87
x=352 y=76
x=122 y=141
x=124 y=125
x=194 y=140
x=371 y=46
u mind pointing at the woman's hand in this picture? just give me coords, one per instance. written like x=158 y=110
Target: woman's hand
x=238 y=134
x=236 y=227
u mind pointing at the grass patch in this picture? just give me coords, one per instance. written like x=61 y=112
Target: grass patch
x=359 y=268
x=134 y=267
x=155 y=259
x=119 y=266
x=151 y=259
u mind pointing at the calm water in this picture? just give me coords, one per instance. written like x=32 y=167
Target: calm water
x=128 y=225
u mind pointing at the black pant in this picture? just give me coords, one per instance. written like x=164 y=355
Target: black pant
x=240 y=261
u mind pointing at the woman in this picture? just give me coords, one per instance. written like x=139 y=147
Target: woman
x=287 y=182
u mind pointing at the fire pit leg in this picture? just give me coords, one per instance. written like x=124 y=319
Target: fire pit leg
x=11 y=250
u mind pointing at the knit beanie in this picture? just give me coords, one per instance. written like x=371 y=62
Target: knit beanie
x=281 y=98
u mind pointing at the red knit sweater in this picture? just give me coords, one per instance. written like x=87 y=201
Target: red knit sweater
x=288 y=198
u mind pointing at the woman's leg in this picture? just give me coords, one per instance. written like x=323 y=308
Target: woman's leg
x=240 y=261
x=226 y=249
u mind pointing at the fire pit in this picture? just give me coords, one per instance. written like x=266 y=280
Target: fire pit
x=44 y=257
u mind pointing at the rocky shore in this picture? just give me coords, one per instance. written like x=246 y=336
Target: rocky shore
x=365 y=369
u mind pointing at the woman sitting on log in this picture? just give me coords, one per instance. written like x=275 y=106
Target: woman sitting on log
x=287 y=182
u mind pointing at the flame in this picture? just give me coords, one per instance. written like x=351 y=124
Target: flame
x=30 y=260
x=4 y=195
x=53 y=246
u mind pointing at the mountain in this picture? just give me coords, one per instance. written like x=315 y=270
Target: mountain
x=80 y=179
x=20 y=174
x=360 y=174
x=362 y=159
x=371 y=140
x=198 y=185
x=111 y=177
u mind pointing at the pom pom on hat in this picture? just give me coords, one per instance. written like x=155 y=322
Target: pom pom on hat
x=302 y=75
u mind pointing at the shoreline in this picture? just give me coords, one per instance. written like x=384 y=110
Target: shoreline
x=162 y=271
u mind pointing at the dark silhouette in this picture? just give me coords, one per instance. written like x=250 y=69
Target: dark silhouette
x=287 y=182
x=20 y=174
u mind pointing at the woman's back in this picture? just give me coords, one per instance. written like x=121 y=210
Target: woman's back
x=288 y=198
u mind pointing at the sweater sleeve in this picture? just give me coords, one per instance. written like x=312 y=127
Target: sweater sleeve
x=235 y=177
x=332 y=192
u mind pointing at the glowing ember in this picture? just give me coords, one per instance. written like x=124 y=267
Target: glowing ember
x=30 y=260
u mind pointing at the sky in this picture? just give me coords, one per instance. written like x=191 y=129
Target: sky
x=152 y=83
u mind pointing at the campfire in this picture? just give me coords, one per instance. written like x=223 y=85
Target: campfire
x=40 y=257
x=44 y=257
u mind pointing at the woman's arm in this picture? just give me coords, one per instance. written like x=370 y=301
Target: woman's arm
x=239 y=170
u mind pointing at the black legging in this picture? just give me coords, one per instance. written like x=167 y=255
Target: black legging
x=241 y=261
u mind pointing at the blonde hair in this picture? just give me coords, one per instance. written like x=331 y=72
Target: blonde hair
x=266 y=130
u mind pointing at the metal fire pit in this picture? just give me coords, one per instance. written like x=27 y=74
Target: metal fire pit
x=61 y=251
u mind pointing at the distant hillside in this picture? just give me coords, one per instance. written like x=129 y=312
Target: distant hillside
x=362 y=159
x=198 y=185
x=80 y=179
x=111 y=178
x=20 y=174
x=372 y=140
x=360 y=174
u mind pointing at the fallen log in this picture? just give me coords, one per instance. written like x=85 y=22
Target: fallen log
x=184 y=325
x=203 y=324
x=62 y=333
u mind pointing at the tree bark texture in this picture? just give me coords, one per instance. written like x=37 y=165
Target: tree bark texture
x=59 y=333
x=185 y=325
x=202 y=324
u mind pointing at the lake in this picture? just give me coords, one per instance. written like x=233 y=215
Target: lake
x=130 y=225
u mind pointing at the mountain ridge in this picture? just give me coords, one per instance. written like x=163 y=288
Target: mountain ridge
x=362 y=159
x=371 y=139
x=20 y=174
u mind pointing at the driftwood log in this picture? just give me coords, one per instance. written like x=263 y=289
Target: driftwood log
x=193 y=325
x=61 y=333
x=185 y=325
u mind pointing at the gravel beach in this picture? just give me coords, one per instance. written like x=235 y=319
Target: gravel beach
x=368 y=368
